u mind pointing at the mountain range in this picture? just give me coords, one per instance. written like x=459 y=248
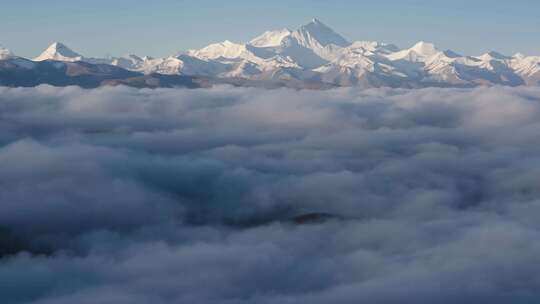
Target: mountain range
x=312 y=56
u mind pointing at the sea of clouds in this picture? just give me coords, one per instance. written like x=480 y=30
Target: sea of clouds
x=120 y=195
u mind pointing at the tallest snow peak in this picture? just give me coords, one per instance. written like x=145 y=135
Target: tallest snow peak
x=320 y=32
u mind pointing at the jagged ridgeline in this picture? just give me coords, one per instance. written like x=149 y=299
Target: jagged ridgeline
x=313 y=56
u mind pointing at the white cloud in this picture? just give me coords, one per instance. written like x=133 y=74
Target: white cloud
x=183 y=196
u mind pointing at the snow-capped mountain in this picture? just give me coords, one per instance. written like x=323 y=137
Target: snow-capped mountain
x=59 y=52
x=316 y=34
x=5 y=53
x=270 y=38
x=314 y=53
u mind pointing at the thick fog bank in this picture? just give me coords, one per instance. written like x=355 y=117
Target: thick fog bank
x=119 y=195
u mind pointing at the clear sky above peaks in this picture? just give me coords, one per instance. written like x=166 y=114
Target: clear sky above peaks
x=163 y=27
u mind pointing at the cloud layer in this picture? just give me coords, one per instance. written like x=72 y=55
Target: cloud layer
x=185 y=196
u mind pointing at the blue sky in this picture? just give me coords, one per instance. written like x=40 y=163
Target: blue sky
x=163 y=27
